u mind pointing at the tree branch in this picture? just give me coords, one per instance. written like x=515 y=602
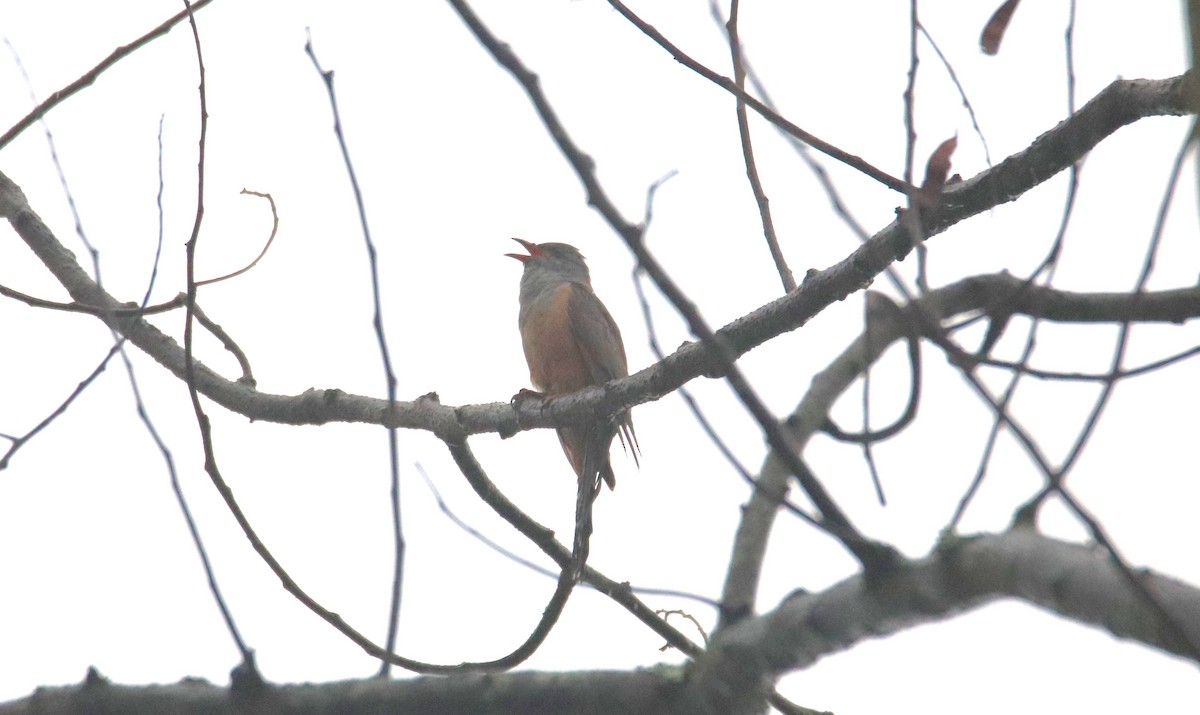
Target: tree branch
x=89 y=77
x=784 y=314
x=527 y=693
x=1001 y=293
x=762 y=109
x=1076 y=581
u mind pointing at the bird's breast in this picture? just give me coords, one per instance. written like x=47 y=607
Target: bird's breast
x=556 y=364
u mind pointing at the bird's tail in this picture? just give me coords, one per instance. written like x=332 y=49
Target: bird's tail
x=587 y=450
x=628 y=438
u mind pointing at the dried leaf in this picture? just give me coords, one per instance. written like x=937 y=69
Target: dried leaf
x=937 y=169
x=993 y=31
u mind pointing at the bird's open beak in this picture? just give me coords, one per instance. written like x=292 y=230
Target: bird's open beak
x=529 y=246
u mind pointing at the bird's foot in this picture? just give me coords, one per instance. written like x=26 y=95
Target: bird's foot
x=526 y=396
x=525 y=403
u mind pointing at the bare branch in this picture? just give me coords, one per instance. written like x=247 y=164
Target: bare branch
x=90 y=76
x=129 y=309
x=756 y=187
x=384 y=354
x=266 y=247
x=998 y=292
x=685 y=364
x=641 y=692
x=246 y=671
x=1078 y=582
x=879 y=305
x=20 y=441
x=1056 y=479
x=1021 y=368
x=834 y=519
x=763 y=110
x=962 y=93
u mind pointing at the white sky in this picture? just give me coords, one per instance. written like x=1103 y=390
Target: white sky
x=95 y=564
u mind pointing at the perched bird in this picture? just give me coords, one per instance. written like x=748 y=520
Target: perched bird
x=571 y=342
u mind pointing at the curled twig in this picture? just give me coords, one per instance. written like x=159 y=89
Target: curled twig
x=265 y=248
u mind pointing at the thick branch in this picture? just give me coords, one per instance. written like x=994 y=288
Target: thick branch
x=1075 y=581
x=743 y=334
x=1121 y=103
x=530 y=693
x=1002 y=293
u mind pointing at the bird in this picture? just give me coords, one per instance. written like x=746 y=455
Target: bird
x=571 y=342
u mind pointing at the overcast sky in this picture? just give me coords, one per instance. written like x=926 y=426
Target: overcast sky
x=96 y=567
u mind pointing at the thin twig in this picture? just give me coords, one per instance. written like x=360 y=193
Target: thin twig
x=168 y=459
x=1124 y=373
x=246 y=668
x=840 y=209
x=544 y=539
x=692 y=405
x=1183 y=634
x=1093 y=419
x=989 y=448
x=877 y=304
x=912 y=216
x=18 y=441
x=266 y=247
x=709 y=431
x=229 y=344
x=763 y=110
x=541 y=570
x=666 y=613
x=1049 y=266
x=120 y=312
x=802 y=150
x=1121 y=103
x=869 y=553
x=119 y=346
x=389 y=373
x=90 y=76
x=756 y=187
x=962 y=92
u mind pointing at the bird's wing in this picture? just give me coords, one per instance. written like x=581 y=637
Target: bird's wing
x=597 y=335
x=599 y=341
